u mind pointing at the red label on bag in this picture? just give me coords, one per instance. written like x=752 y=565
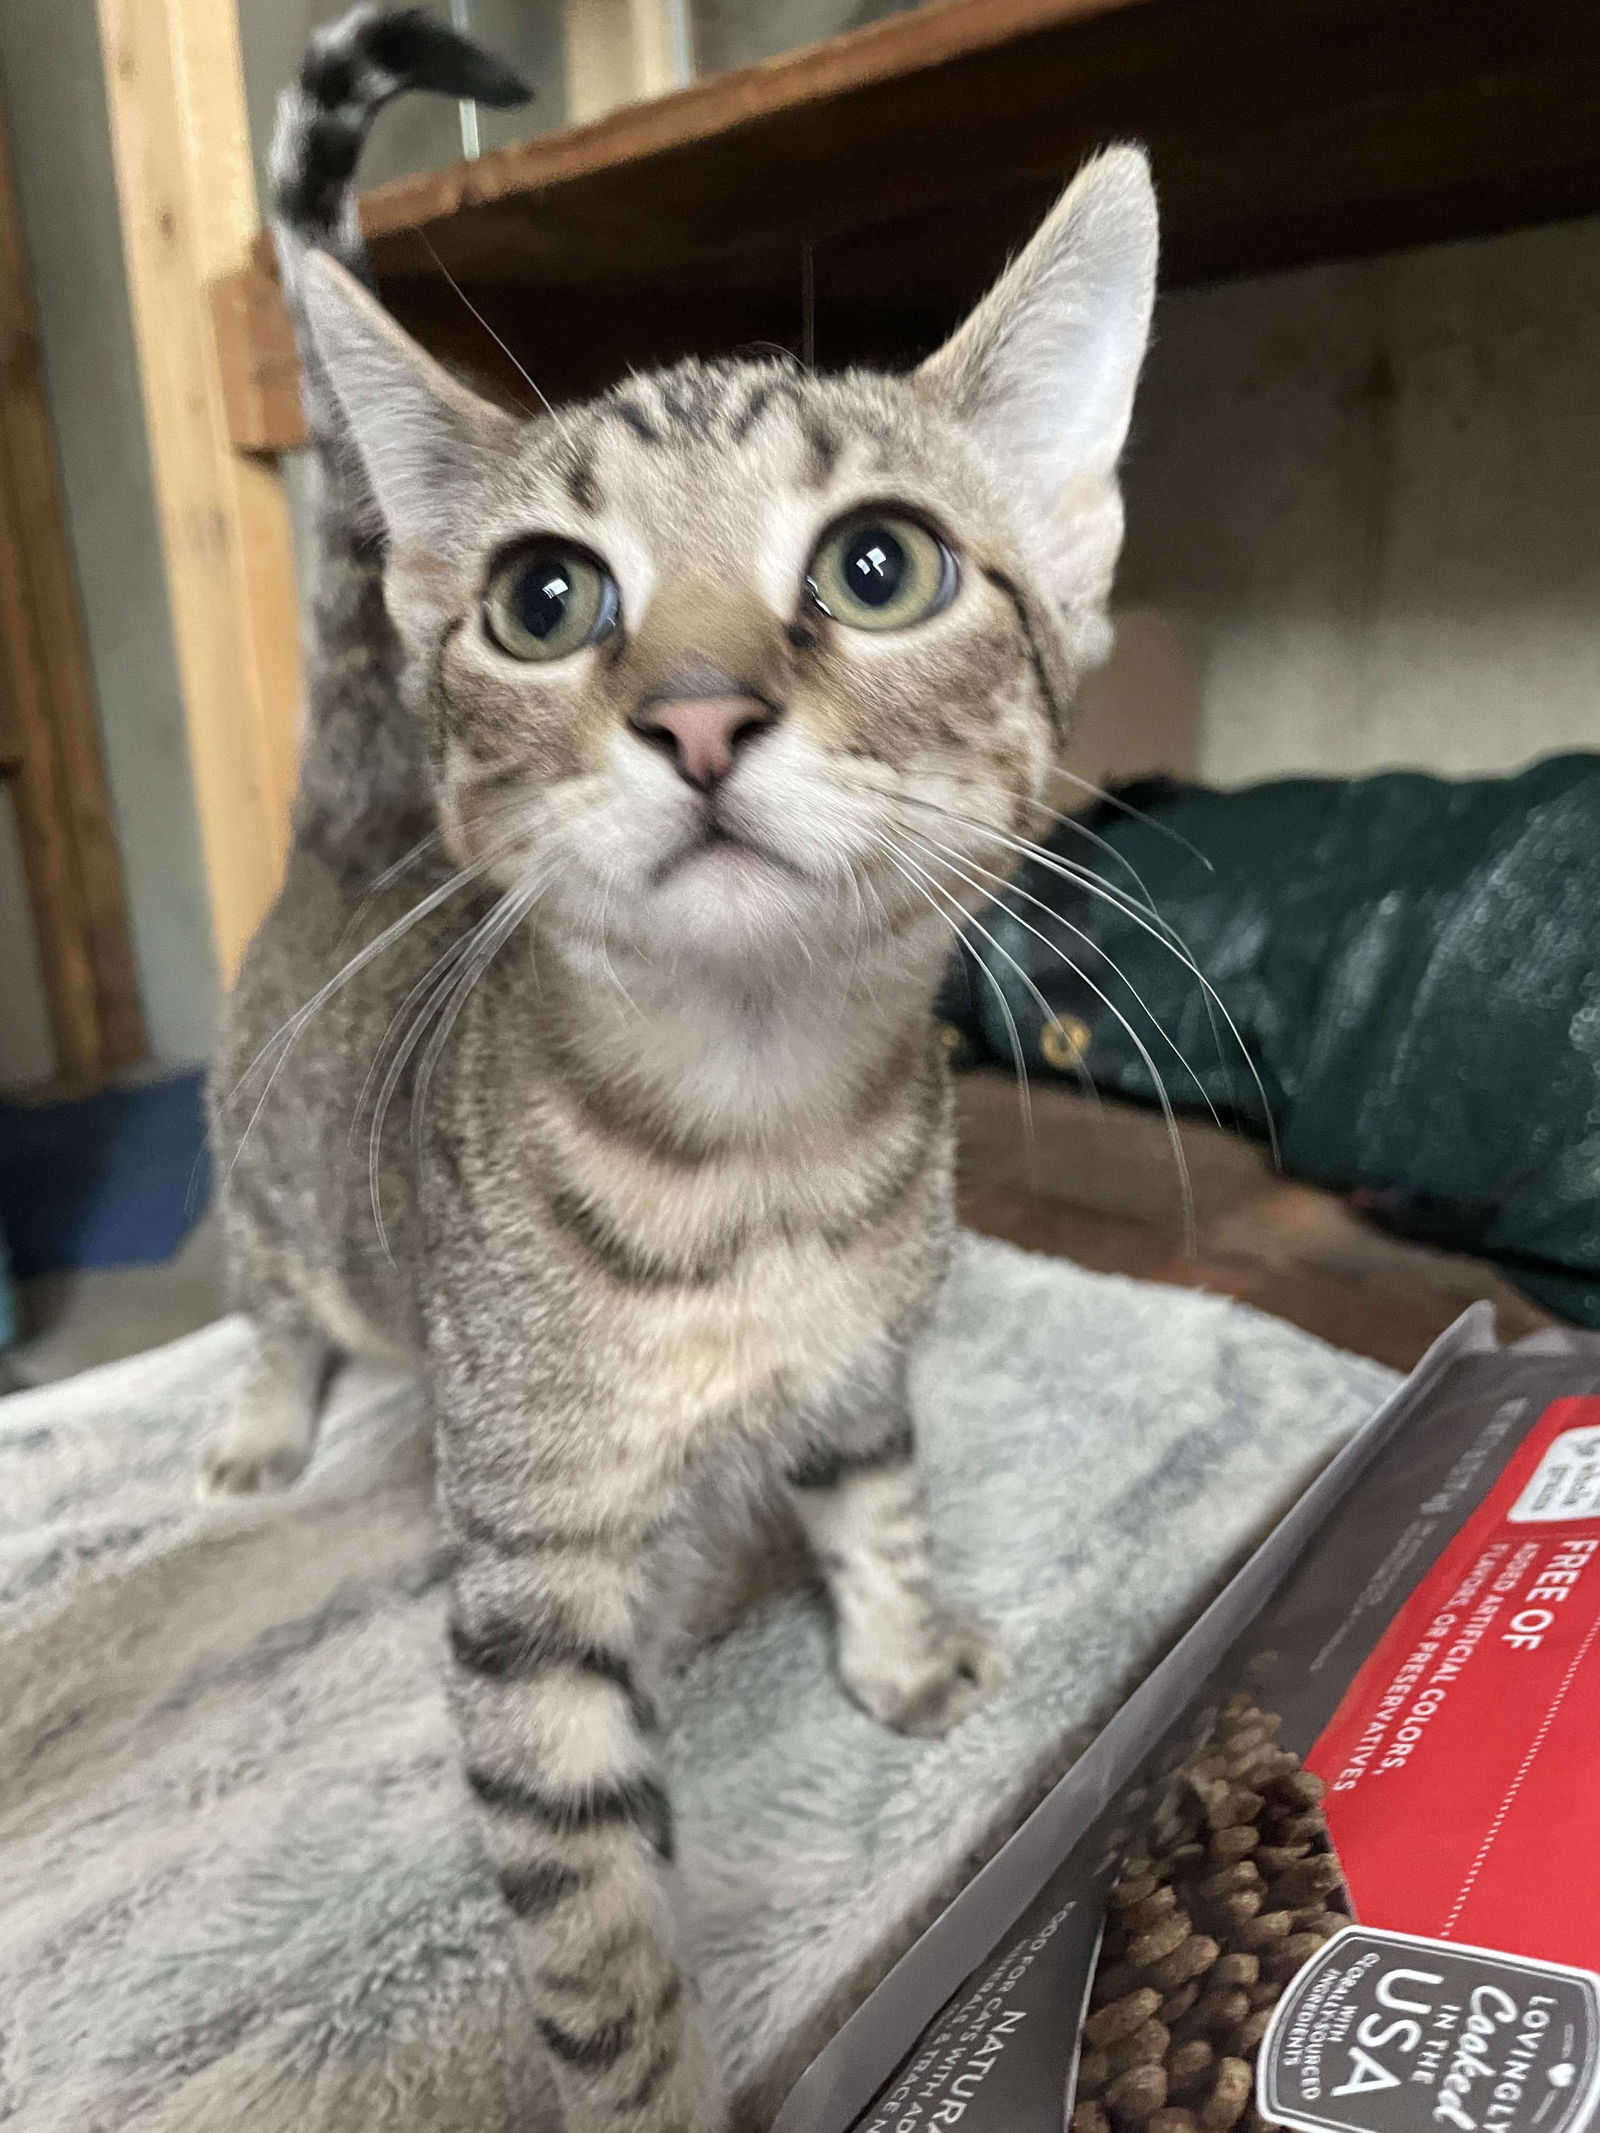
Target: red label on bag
x=1463 y=1765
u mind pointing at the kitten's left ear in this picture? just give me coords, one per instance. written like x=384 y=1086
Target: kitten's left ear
x=1044 y=370
x=425 y=441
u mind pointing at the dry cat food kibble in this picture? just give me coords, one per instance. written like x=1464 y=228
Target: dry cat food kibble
x=1235 y=1889
x=1336 y=1865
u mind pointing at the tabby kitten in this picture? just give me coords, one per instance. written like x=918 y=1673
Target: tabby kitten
x=587 y=1059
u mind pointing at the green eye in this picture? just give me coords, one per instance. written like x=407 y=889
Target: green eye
x=879 y=572
x=549 y=602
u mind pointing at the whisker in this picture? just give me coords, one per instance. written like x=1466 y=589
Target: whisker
x=958 y=864
x=516 y=364
x=521 y=902
x=771 y=348
x=288 y=1035
x=493 y=812
x=390 y=874
x=403 y=1052
x=1176 y=947
x=492 y=853
x=976 y=822
x=1110 y=892
x=1019 y=1057
x=1174 y=1137
x=1135 y=814
x=358 y=962
x=1054 y=814
x=1159 y=929
x=432 y=976
x=438 y=981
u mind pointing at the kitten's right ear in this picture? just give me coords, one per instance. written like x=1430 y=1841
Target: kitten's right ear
x=422 y=437
x=1043 y=371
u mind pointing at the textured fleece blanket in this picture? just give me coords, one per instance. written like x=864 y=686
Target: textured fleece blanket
x=240 y=1887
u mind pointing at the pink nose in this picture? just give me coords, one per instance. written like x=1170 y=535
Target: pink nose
x=702 y=734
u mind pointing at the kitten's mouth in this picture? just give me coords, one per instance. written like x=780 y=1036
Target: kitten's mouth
x=713 y=842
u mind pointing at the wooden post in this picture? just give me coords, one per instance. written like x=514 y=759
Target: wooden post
x=49 y=738
x=181 y=144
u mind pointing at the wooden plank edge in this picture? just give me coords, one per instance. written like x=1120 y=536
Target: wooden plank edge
x=256 y=363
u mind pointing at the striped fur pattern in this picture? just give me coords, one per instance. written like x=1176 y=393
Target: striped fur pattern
x=628 y=1127
x=351 y=70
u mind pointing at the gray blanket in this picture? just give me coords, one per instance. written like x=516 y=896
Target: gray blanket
x=240 y=1889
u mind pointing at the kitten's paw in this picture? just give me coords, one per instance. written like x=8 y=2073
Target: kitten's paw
x=246 y=1462
x=928 y=1688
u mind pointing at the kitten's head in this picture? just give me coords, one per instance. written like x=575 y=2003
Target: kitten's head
x=737 y=662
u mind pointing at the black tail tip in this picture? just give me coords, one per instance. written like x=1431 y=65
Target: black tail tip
x=425 y=53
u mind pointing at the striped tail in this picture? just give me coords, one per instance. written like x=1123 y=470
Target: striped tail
x=351 y=70
x=360 y=742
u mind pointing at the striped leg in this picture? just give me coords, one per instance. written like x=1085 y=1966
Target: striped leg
x=548 y=1639
x=903 y=1656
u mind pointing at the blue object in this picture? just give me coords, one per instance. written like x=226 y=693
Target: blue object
x=116 y=1179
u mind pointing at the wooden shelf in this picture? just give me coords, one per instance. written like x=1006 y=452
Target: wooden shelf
x=914 y=155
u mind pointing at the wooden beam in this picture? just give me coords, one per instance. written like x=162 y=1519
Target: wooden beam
x=181 y=145
x=49 y=737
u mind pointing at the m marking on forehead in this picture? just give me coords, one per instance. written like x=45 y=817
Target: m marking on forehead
x=631 y=413
x=822 y=452
x=690 y=402
x=750 y=414
x=581 y=484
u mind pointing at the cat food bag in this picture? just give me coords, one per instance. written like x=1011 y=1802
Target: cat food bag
x=1336 y=1865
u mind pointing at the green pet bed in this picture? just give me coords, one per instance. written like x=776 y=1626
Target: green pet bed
x=1405 y=991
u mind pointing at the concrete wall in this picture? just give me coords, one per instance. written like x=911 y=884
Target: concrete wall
x=1374 y=491
x=55 y=110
